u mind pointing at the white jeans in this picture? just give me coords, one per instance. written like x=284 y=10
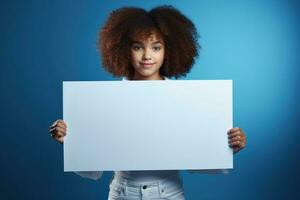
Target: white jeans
x=123 y=189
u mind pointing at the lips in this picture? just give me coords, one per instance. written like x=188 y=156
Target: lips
x=147 y=65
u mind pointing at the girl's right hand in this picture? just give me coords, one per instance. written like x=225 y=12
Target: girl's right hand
x=58 y=130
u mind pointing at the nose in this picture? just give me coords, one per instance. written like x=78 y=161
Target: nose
x=146 y=55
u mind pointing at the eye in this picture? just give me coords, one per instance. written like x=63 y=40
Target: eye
x=136 y=47
x=156 y=48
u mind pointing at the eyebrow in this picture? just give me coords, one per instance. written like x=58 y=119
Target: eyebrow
x=142 y=42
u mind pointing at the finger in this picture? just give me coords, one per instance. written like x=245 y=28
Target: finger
x=234 y=134
x=59 y=139
x=235 y=144
x=58 y=135
x=62 y=123
x=52 y=130
x=240 y=146
x=233 y=130
x=61 y=126
x=234 y=139
x=54 y=124
x=62 y=130
x=59 y=129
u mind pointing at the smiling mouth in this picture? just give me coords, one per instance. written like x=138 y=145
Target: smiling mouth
x=147 y=63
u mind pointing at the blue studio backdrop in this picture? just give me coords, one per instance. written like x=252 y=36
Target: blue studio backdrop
x=255 y=43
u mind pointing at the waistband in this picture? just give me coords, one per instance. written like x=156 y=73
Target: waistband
x=159 y=181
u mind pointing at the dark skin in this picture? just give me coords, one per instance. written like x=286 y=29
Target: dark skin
x=236 y=136
x=236 y=139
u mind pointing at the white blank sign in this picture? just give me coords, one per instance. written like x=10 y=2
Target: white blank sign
x=147 y=125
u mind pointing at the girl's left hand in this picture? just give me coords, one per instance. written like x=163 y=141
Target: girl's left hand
x=236 y=139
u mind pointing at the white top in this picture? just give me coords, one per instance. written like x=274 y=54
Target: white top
x=149 y=175
x=125 y=78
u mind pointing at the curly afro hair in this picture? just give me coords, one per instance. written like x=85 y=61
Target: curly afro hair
x=125 y=24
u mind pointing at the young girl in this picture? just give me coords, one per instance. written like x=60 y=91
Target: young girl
x=148 y=45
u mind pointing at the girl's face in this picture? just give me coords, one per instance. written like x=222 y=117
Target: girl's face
x=147 y=57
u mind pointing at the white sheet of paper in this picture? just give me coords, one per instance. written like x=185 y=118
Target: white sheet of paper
x=147 y=125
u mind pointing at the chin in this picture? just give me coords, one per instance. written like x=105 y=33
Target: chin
x=146 y=73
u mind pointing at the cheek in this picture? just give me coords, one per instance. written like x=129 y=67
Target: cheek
x=161 y=57
x=134 y=60
x=134 y=57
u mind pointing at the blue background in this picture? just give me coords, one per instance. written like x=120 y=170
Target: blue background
x=255 y=43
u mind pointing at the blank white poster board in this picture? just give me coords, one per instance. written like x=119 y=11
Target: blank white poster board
x=147 y=125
